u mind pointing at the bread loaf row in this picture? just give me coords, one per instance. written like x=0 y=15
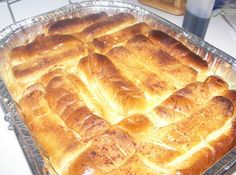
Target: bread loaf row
x=107 y=95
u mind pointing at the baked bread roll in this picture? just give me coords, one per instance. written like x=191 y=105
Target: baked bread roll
x=177 y=147
x=187 y=100
x=43 y=46
x=105 y=43
x=58 y=142
x=74 y=25
x=110 y=150
x=104 y=94
x=160 y=61
x=67 y=103
x=177 y=50
x=44 y=52
x=155 y=87
x=106 y=26
x=110 y=86
x=136 y=125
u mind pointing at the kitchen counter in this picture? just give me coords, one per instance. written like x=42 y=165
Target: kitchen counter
x=12 y=160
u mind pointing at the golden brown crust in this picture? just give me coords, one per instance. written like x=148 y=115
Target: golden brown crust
x=179 y=104
x=159 y=61
x=187 y=100
x=38 y=57
x=138 y=72
x=219 y=107
x=200 y=92
x=105 y=43
x=41 y=66
x=177 y=50
x=68 y=104
x=136 y=110
x=75 y=25
x=158 y=154
x=207 y=156
x=43 y=46
x=136 y=125
x=112 y=23
x=43 y=122
x=101 y=73
x=133 y=166
x=50 y=75
x=107 y=152
x=231 y=94
x=181 y=145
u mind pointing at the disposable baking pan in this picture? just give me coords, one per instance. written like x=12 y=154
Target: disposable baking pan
x=21 y=32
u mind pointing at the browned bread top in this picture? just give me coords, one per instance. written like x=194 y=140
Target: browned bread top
x=177 y=50
x=104 y=94
x=75 y=25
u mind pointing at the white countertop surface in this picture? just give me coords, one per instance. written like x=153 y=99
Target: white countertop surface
x=12 y=160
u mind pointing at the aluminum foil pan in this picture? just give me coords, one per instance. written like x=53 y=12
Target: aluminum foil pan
x=23 y=31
